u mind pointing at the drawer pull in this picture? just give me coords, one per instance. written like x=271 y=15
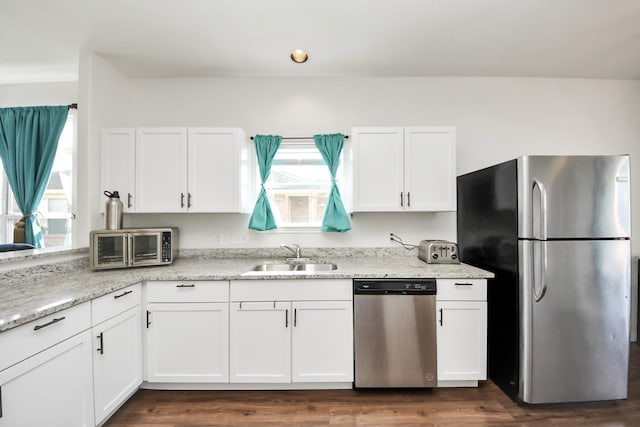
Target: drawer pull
x=464 y=284
x=55 y=320
x=122 y=294
x=441 y=316
x=101 y=339
x=186 y=286
x=148 y=320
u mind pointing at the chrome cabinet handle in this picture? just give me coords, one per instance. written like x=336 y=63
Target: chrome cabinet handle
x=295 y=317
x=148 y=319
x=401 y=200
x=463 y=284
x=408 y=199
x=286 y=318
x=185 y=286
x=122 y=294
x=188 y=200
x=182 y=200
x=129 y=200
x=100 y=338
x=441 y=316
x=55 y=320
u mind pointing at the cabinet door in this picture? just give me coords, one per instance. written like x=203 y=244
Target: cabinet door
x=117 y=361
x=378 y=170
x=161 y=170
x=118 y=165
x=260 y=340
x=214 y=170
x=462 y=340
x=430 y=169
x=187 y=342
x=322 y=341
x=52 y=388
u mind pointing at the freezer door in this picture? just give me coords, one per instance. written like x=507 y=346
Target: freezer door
x=575 y=309
x=564 y=197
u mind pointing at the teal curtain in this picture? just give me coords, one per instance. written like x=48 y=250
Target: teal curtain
x=266 y=147
x=28 y=143
x=335 y=216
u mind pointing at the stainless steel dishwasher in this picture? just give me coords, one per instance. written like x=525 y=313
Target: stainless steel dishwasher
x=395 y=333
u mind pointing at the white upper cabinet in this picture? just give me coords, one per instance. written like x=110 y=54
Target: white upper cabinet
x=161 y=170
x=214 y=173
x=119 y=165
x=404 y=169
x=378 y=163
x=177 y=169
x=430 y=169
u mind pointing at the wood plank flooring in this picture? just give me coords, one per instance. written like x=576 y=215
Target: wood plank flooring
x=484 y=406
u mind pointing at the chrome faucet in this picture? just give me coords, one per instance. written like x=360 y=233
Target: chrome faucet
x=296 y=250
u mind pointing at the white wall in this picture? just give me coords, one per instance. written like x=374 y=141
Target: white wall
x=496 y=119
x=24 y=95
x=103 y=102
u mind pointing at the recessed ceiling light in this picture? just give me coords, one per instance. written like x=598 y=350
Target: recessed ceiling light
x=299 y=56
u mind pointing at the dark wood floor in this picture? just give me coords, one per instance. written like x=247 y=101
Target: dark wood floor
x=486 y=405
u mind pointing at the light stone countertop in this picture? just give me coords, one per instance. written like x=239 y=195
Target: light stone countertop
x=27 y=294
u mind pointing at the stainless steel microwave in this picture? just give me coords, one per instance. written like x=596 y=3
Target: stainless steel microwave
x=132 y=247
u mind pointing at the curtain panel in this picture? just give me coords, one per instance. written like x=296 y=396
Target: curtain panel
x=28 y=143
x=262 y=218
x=335 y=215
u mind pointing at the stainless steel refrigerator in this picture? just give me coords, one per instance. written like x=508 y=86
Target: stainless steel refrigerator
x=556 y=232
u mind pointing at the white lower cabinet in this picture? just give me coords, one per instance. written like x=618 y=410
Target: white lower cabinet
x=117 y=349
x=187 y=341
x=461 y=309
x=117 y=361
x=260 y=342
x=322 y=341
x=307 y=338
x=52 y=388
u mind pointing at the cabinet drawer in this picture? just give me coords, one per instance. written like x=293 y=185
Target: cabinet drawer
x=461 y=290
x=26 y=340
x=292 y=290
x=110 y=305
x=187 y=291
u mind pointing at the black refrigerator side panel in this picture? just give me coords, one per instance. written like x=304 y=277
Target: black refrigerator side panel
x=487 y=228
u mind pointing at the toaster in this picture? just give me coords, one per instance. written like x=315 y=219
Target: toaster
x=438 y=252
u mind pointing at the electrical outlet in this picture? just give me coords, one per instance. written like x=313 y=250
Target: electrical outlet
x=239 y=238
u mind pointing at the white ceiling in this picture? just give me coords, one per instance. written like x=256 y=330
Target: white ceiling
x=41 y=39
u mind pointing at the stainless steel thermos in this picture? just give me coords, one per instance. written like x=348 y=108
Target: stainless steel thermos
x=113 y=211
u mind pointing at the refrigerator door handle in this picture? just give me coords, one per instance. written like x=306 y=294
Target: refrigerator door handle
x=539 y=208
x=539 y=270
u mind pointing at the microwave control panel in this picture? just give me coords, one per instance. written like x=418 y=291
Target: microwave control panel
x=166 y=246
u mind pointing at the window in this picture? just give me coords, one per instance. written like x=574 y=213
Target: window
x=55 y=205
x=299 y=185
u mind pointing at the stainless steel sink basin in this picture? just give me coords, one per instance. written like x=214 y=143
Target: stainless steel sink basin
x=294 y=267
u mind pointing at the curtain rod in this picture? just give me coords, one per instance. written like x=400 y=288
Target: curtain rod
x=74 y=106
x=302 y=137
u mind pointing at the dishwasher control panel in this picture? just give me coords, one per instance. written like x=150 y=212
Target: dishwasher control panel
x=394 y=286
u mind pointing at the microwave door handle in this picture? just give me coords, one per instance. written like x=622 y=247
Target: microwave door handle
x=129 y=257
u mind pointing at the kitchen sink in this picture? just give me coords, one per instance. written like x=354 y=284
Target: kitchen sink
x=294 y=267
